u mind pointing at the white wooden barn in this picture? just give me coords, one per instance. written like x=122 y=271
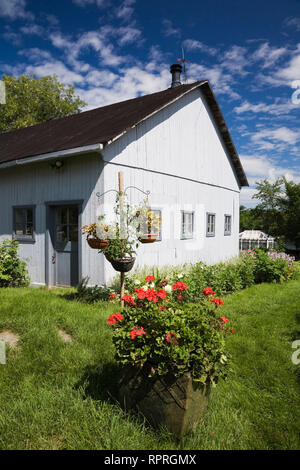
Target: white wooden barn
x=174 y=143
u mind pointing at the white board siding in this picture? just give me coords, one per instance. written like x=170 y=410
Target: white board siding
x=179 y=156
x=36 y=184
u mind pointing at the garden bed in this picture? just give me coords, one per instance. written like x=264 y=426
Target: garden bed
x=62 y=396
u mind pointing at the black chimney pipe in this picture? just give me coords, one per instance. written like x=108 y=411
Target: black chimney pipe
x=175 y=70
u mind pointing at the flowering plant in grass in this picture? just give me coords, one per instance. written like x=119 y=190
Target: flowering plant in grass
x=160 y=332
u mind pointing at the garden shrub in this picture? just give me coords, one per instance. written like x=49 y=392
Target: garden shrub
x=91 y=294
x=224 y=278
x=13 y=271
x=268 y=269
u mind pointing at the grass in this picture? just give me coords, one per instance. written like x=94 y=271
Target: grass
x=56 y=395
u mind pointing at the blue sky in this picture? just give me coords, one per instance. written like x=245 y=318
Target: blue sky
x=115 y=50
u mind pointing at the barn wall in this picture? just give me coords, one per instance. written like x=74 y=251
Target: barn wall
x=79 y=179
x=179 y=156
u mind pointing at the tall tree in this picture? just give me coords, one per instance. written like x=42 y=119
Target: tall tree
x=31 y=101
x=268 y=209
x=290 y=207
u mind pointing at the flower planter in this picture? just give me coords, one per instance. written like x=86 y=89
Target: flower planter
x=148 y=237
x=122 y=265
x=97 y=243
x=177 y=403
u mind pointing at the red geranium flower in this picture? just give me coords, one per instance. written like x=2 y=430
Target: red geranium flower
x=217 y=302
x=208 y=291
x=113 y=296
x=151 y=295
x=129 y=300
x=114 y=318
x=161 y=294
x=179 y=286
x=140 y=293
x=171 y=338
x=180 y=297
x=224 y=319
x=137 y=332
x=162 y=308
x=150 y=278
x=232 y=331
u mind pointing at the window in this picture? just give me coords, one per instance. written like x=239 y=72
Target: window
x=187 y=225
x=227 y=225
x=67 y=224
x=23 y=223
x=157 y=213
x=211 y=225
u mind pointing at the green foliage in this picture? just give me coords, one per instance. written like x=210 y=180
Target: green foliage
x=278 y=211
x=267 y=269
x=92 y=294
x=158 y=332
x=13 y=271
x=31 y=101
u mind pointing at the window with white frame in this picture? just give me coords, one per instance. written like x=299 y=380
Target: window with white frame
x=157 y=212
x=227 y=224
x=187 y=225
x=210 y=224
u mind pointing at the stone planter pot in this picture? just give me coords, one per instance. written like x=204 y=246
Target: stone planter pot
x=148 y=237
x=122 y=265
x=177 y=403
x=96 y=243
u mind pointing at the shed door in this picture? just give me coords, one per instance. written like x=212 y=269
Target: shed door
x=66 y=245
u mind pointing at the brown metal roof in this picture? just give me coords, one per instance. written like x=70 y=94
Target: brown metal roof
x=101 y=125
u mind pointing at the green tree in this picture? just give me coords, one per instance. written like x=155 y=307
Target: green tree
x=31 y=101
x=269 y=208
x=290 y=208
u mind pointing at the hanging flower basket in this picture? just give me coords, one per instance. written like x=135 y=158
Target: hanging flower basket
x=122 y=265
x=148 y=237
x=96 y=243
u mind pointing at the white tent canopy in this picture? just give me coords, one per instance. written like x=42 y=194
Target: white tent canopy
x=255 y=238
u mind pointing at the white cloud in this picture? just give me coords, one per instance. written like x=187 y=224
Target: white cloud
x=125 y=10
x=235 y=60
x=169 y=30
x=221 y=81
x=55 y=67
x=277 y=108
x=84 y=3
x=268 y=55
x=193 y=44
x=278 y=139
x=133 y=81
x=14 y=9
x=293 y=22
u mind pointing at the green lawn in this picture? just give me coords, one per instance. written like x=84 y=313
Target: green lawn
x=56 y=395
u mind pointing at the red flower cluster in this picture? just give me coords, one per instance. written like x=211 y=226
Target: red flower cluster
x=137 y=332
x=224 y=319
x=208 y=291
x=171 y=338
x=114 y=318
x=129 y=300
x=217 y=302
x=151 y=294
x=179 y=286
x=150 y=278
x=113 y=296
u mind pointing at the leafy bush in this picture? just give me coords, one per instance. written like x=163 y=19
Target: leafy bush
x=159 y=331
x=85 y=293
x=267 y=269
x=13 y=271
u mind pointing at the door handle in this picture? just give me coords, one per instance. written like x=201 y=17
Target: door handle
x=53 y=258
